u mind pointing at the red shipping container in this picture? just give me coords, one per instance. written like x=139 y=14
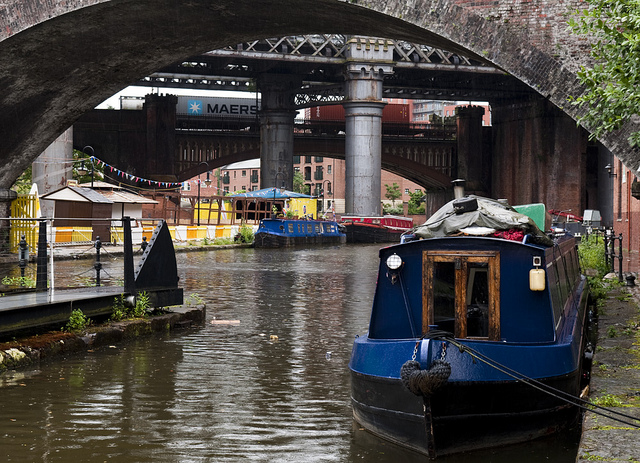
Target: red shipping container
x=390 y=113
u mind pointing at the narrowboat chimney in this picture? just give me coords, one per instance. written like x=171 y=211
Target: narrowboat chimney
x=458 y=188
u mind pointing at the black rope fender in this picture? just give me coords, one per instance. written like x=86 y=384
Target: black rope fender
x=425 y=382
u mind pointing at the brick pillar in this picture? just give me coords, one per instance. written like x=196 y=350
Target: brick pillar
x=471 y=162
x=160 y=111
x=539 y=155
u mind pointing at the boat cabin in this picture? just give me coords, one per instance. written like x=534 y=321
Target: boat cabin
x=479 y=288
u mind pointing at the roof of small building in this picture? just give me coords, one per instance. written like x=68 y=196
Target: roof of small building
x=105 y=193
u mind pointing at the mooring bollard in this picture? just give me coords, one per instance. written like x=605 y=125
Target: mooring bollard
x=98 y=264
x=23 y=255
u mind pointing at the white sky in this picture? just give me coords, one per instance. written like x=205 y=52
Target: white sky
x=114 y=101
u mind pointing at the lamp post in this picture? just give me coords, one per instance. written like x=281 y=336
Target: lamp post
x=324 y=194
x=82 y=170
x=275 y=187
x=207 y=182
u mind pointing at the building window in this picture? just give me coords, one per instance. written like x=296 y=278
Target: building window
x=319 y=159
x=307 y=159
x=186 y=186
x=244 y=187
x=296 y=159
x=406 y=191
x=244 y=173
x=307 y=173
x=226 y=190
x=318 y=173
x=329 y=169
x=234 y=173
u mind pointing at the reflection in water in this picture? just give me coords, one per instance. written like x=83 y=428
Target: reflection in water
x=222 y=392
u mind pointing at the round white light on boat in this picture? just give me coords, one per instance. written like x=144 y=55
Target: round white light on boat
x=394 y=262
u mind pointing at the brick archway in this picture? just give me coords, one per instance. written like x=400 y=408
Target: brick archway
x=60 y=59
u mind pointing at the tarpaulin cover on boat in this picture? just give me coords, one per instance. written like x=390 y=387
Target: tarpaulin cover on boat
x=490 y=217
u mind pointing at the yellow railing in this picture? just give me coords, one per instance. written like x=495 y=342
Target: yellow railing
x=27 y=207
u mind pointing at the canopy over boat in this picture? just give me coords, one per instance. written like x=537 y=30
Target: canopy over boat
x=270 y=193
x=475 y=215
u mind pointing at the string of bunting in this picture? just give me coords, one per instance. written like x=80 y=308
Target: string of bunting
x=135 y=178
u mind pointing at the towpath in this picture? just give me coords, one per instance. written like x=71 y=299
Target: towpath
x=615 y=381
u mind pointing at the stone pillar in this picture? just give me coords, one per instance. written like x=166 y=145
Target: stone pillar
x=471 y=165
x=160 y=111
x=6 y=196
x=51 y=170
x=276 y=129
x=368 y=61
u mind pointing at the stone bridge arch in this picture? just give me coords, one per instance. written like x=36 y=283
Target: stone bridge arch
x=59 y=59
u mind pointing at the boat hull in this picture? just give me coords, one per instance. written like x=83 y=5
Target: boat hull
x=465 y=416
x=269 y=240
x=371 y=233
x=276 y=233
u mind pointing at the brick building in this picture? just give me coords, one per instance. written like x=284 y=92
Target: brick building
x=323 y=177
x=626 y=213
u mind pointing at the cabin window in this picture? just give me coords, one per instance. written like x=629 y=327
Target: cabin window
x=290 y=228
x=461 y=293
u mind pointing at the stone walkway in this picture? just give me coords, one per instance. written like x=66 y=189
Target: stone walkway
x=615 y=381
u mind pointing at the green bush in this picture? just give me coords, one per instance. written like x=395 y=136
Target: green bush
x=121 y=311
x=246 y=234
x=591 y=253
x=77 y=321
x=23 y=282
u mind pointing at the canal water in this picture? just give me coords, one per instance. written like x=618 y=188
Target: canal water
x=264 y=379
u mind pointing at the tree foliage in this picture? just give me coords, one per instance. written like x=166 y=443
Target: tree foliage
x=298 y=182
x=612 y=84
x=22 y=185
x=393 y=192
x=416 y=205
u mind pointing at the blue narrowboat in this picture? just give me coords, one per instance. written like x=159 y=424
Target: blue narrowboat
x=279 y=232
x=477 y=331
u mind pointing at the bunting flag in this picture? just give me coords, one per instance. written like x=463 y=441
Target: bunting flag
x=128 y=176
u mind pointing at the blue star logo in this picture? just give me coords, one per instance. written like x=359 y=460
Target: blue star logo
x=195 y=106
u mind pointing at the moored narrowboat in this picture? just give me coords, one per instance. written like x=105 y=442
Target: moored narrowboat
x=385 y=229
x=477 y=331
x=279 y=232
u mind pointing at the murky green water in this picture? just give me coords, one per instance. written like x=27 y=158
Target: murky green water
x=222 y=392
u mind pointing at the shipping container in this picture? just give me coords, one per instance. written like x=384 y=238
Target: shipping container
x=399 y=113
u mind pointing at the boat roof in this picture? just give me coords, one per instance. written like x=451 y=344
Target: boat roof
x=478 y=216
x=270 y=193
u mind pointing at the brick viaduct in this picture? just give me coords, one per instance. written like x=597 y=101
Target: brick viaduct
x=60 y=58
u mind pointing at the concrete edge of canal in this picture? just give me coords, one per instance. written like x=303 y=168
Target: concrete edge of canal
x=615 y=381
x=29 y=351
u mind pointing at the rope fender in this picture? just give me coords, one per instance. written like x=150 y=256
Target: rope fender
x=424 y=382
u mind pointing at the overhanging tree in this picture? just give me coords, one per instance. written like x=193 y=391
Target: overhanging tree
x=612 y=95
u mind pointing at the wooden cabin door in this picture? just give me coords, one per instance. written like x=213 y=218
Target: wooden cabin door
x=461 y=293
